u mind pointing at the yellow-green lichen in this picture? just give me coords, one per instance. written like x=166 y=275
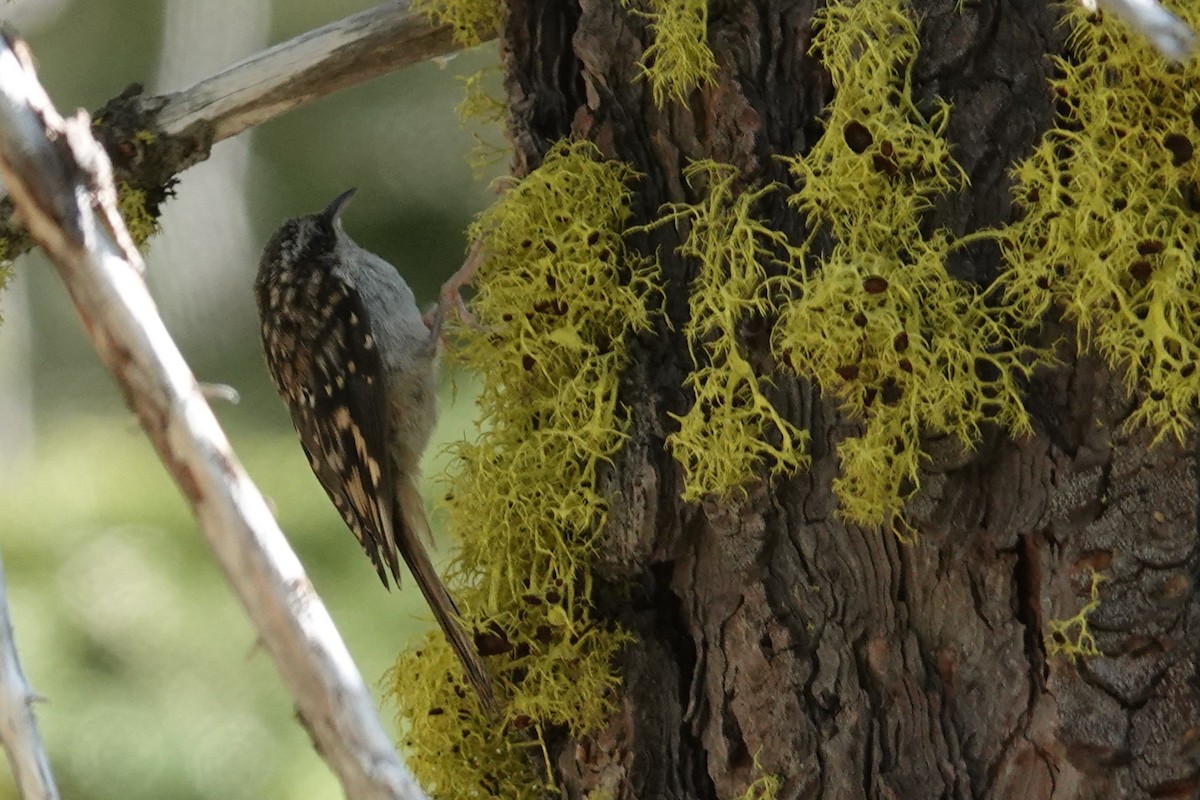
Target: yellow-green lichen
x=678 y=59
x=1071 y=637
x=131 y=203
x=558 y=297
x=1110 y=234
x=880 y=324
x=732 y=429
x=765 y=787
x=473 y=21
x=482 y=112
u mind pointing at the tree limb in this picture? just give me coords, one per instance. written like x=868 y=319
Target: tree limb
x=1168 y=34
x=312 y=65
x=18 y=726
x=61 y=182
x=152 y=138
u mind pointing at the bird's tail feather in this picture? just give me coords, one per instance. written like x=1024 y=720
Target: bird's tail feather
x=412 y=528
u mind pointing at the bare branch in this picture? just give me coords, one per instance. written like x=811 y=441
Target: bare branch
x=60 y=180
x=152 y=138
x=320 y=62
x=18 y=727
x=1169 y=35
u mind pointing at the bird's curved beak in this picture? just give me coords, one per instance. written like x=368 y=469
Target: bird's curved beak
x=333 y=212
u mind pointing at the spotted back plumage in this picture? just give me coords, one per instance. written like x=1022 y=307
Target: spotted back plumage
x=323 y=359
x=360 y=392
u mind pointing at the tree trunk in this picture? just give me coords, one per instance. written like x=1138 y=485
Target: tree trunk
x=776 y=639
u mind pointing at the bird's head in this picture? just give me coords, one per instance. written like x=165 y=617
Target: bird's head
x=302 y=239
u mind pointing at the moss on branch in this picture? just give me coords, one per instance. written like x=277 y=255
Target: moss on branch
x=473 y=21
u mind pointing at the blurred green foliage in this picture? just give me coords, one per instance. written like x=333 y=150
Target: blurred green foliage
x=156 y=685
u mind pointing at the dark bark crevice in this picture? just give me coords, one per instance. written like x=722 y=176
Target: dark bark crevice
x=545 y=90
x=1027 y=580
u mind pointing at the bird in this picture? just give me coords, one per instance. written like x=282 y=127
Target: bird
x=354 y=360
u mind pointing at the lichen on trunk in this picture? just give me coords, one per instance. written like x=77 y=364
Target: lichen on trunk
x=817 y=231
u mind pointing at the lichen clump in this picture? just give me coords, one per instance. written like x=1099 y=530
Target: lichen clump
x=678 y=59
x=131 y=203
x=879 y=323
x=558 y=298
x=1109 y=234
x=764 y=787
x=1072 y=637
x=732 y=429
x=473 y=21
x=482 y=112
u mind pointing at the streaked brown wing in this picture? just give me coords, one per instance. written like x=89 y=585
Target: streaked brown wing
x=326 y=366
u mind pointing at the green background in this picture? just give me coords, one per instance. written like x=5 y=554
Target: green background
x=155 y=686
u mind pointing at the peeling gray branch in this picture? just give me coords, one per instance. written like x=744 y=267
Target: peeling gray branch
x=61 y=182
x=360 y=47
x=1169 y=35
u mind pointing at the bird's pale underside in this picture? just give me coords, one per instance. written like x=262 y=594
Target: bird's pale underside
x=353 y=360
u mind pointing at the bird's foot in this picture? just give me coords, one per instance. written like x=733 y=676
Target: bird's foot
x=450 y=296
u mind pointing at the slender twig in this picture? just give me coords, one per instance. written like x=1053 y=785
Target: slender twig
x=61 y=182
x=18 y=727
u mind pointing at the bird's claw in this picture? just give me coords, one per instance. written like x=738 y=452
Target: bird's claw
x=450 y=297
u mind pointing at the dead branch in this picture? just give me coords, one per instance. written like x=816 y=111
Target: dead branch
x=61 y=182
x=1168 y=34
x=342 y=54
x=150 y=139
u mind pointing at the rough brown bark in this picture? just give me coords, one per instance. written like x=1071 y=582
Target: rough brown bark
x=837 y=658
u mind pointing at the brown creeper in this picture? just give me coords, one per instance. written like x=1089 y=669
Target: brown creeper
x=353 y=360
